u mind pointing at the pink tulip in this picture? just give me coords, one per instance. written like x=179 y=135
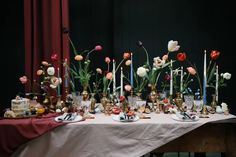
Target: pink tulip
x=98 y=48
x=128 y=88
x=107 y=60
x=23 y=79
x=191 y=70
x=109 y=76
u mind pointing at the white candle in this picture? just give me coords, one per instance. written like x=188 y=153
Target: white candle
x=181 y=81
x=58 y=76
x=171 y=78
x=66 y=74
x=121 y=82
x=114 y=77
x=217 y=83
x=131 y=71
x=204 y=79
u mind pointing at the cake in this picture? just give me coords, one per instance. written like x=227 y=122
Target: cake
x=19 y=106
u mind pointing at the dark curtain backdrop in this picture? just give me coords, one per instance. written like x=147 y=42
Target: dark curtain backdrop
x=44 y=21
x=12 y=50
x=197 y=25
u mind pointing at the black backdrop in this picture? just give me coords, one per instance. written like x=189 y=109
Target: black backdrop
x=117 y=25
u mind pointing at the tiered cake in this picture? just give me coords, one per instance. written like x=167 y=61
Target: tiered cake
x=19 y=106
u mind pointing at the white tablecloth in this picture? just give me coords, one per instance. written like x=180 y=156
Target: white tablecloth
x=104 y=137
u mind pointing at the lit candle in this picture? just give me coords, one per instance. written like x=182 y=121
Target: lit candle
x=114 y=77
x=58 y=86
x=181 y=81
x=217 y=83
x=121 y=81
x=171 y=80
x=131 y=71
x=204 y=80
x=66 y=74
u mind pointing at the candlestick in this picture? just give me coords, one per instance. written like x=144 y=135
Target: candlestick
x=58 y=86
x=131 y=71
x=171 y=81
x=181 y=81
x=217 y=83
x=121 y=82
x=204 y=79
x=66 y=74
x=114 y=77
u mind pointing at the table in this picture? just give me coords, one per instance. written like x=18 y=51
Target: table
x=217 y=136
x=103 y=136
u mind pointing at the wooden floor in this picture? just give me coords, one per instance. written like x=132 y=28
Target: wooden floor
x=185 y=154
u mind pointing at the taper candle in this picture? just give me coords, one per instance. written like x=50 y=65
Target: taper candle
x=114 y=77
x=171 y=78
x=204 y=79
x=121 y=82
x=66 y=74
x=217 y=83
x=58 y=86
x=181 y=81
x=131 y=71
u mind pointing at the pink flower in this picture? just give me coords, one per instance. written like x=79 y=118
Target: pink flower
x=191 y=70
x=45 y=63
x=109 y=76
x=23 y=79
x=98 y=48
x=78 y=58
x=107 y=60
x=165 y=57
x=128 y=62
x=167 y=77
x=122 y=98
x=40 y=72
x=128 y=88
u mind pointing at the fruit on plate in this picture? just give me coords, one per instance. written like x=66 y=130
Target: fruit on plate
x=116 y=110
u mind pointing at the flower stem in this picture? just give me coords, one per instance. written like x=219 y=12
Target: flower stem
x=147 y=56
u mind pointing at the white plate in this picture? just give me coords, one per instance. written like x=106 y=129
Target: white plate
x=77 y=119
x=175 y=117
x=117 y=118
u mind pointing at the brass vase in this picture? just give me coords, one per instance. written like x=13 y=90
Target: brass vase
x=85 y=93
x=93 y=102
x=153 y=98
x=179 y=101
x=104 y=100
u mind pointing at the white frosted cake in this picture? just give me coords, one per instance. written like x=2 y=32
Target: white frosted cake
x=18 y=106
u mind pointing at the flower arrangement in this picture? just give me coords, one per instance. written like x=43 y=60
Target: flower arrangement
x=48 y=82
x=150 y=73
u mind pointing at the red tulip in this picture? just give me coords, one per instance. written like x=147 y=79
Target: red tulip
x=215 y=54
x=98 y=48
x=122 y=98
x=126 y=55
x=54 y=57
x=181 y=57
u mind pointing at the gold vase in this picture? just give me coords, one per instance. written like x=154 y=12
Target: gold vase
x=104 y=100
x=179 y=101
x=93 y=102
x=213 y=103
x=153 y=98
x=85 y=93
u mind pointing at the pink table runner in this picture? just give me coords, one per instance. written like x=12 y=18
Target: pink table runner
x=15 y=132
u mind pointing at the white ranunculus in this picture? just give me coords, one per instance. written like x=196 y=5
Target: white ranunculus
x=173 y=46
x=141 y=71
x=51 y=71
x=227 y=76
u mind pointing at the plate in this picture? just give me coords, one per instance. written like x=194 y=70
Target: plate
x=77 y=119
x=175 y=117
x=117 y=118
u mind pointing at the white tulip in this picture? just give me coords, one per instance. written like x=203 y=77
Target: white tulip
x=227 y=76
x=141 y=71
x=224 y=106
x=173 y=46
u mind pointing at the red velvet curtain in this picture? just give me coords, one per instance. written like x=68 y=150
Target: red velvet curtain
x=44 y=21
